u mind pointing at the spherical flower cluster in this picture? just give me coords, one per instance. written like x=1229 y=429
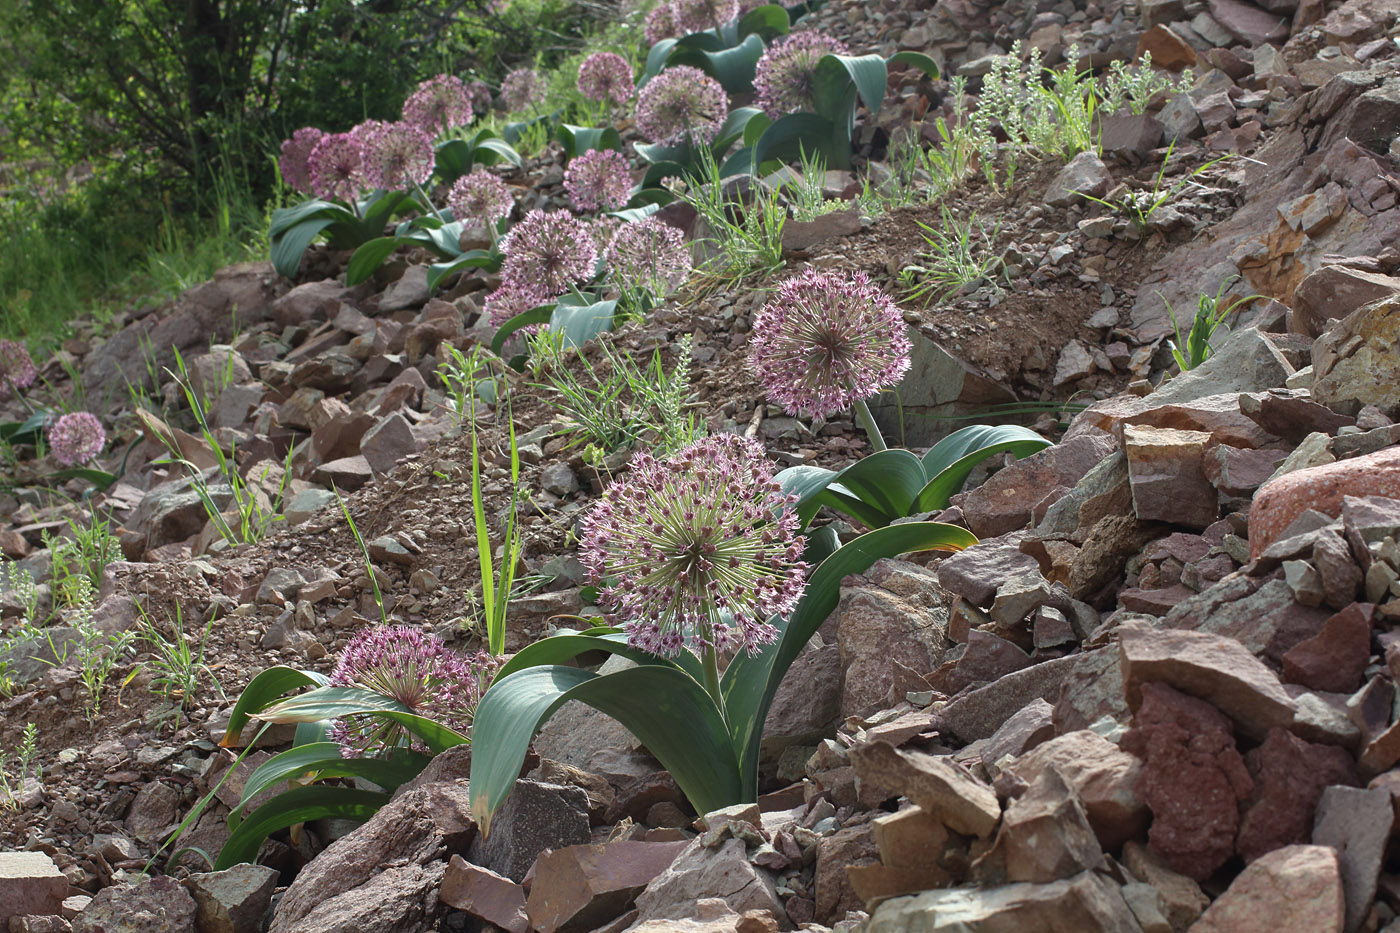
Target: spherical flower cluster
x=512 y=299
x=397 y=155
x=680 y=103
x=522 y=89
x=420 y=672
x=648 y=254
x=605 y=76
x=479 y=93
x=334 y=167
x=551 y=250
x=700 y=15
x=699 y=549
x=76 y=438
x=480 y=197
x=783 y=81
x=827 y=340
x=17 y=370
x=600 y=179
x=438 y=104
x=660 y=24
x=296 y=151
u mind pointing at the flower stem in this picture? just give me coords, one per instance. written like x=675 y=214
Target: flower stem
x=711 y=669
x=867 y=421
x=428 y=201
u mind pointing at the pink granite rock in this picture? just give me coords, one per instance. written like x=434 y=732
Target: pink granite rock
x=1278 y=503
x=1294 y=888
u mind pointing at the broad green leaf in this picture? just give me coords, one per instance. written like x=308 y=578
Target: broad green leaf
x=919 y=60
x=751 y=681
x=369 y=257
x=679 y=156
x=566 y=646
x=339 y=702
x=812 y=486
x=656 y=60
x=492 y=151
x=836 y=76
x=789 y=137
x=538 y=315
x=950 y=479
x=379 y=208
x=285 y=218
x=665 y=168
x=735 y=127
x=445 y=239
x=471 y=259
x=740 y=162
x=299 y=805
x=753 y=130
x=705 y=41
x=262 y=691
x=290 y=245
x=732 y=68
x=453 y=159
x=581 y=324
x=99 y=478
x=323 y=760
x=26 y=431
x=663 y=707
x=889 y=480
x=580 y=139
x=768 y=22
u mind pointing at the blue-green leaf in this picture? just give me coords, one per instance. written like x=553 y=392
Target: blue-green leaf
x=289 y=245
x=321 y=760
x=580 y=324
x=339 y=702
x=369 y=257
x=949 y=462
x=471 y=259
x=919 y=60
x=299 y=805
x=577 y=140
x=262 y=691
x=537 y=315
x=733 y=68
x=769 y=22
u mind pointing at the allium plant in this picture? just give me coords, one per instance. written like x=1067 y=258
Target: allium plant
x=681 y=104
x=334 y=167
x=295 y=156
x=660 y=24
x=783 y=81
x=17 y=370
x=480 y=197
x=479 y=93
x=700 y=15
x=605 y=77
x=417 y=670
x=397 y=155
x=699 y=550
x=649 y=255
x=827 y=341
x=438 y=105
x=550 y=250
x=76 y=438
x=522 y=89
x=600 y=179
x=512 y=299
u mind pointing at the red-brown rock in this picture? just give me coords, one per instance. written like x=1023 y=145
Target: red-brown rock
x=1168 y=50
x=1294 y=888
x=1335 y=659
x=578 y=888
x=1279 y=502
x=485 y=895
x=1289 y=777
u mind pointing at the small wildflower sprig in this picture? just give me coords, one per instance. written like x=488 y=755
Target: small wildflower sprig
x=784 y=76
x=648 y=255
x=76 y=438
x=826 y=342
x=606 y=77
x=549 y=250
x=438 y=105
x=700 y=550
x=600 y=179
x=294 y=157
x=682 y=104
x=480 y=197
x=417 y=670
x=334 y=167
x=17 y=369
x=522 y=89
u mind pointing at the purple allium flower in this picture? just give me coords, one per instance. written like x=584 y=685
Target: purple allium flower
x=700 y=15
x=699 y=549
x=17 y=369
x=420 y=672
x=550 y=251
x=296 y=152
x=603 y=228
x=397 y=155
x=681 y=102
x=522 y=89
x=76 y=438
x=605 y=76
x=827 y=340
x=438 y=104
x=479 y=92
x=600 y=179
x=648 y=254
x=334 y=167
x=783 y=82
x=660 y=24
x=512 y=299
x=480 y=197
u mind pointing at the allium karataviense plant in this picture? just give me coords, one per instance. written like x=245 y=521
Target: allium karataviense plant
x=700 y=15
x=480 y=197
x=76 y=438
x=296 y=151
x=334 y=168
x=522 y=89
x=826 y=342
x=396 y=155
x=691 y=554
x=548 y=251
x=650 y=255
x=682 y=104
x=660 y=24
x=439 y=104
x=17 y=369
x=606 y=77
x=783 y=80
x=600 y=179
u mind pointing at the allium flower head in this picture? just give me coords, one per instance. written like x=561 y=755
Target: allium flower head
x=479 y=92
x=17 y=370
x=551 y=250
x=438 y=103
x=600 y=179
x=76 y=438
x=397 y=154
x=522 y=89
x=700 y=15
x=480 y=197
x=334 y=167
x=698 y=549
x=680 y=102
x=660 y=24
x=296 y=152
x=783 y=82
x=827 y=340
x=420 y=672
x=512 y=299
x=605 y=76
x=648 y=254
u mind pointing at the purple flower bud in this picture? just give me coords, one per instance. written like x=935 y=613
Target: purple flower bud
x=522 y=89
x=660 y=24
x=396 y=155
x=699 y=15
x=334 y=167
x=648 y=254
x=550 y=251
